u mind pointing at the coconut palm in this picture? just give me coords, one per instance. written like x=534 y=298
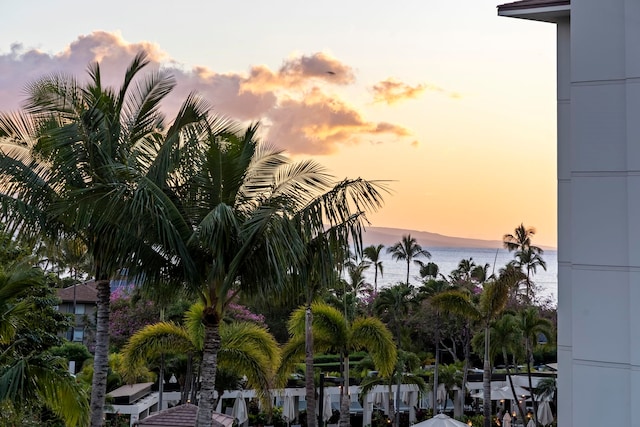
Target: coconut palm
x=258 y=225
x=245 y=348
x=407 y=249
x=529 y=260
x=372 y=253
x=520 y=239
x=533 y=326
x=77 y=165
x=332 y=332
x=484 y=310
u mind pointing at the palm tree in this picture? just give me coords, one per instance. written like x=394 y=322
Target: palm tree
x=333 y=332
x=529 y=260
x=256 y=224
x=76 y=165
x=505 y=338
x=533 y=326
x=520 y=239
x=395 y=303
x=33 y=378
x=245 y=348
x=407 y=250
x=489 y=305
x=372 y=253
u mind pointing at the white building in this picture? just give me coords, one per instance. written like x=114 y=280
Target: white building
x=598 y=60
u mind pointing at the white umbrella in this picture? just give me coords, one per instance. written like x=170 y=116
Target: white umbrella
x=506 y=420
x=503 y=393
x=381 y=399
x=440 y=420
x=545 y=416
x=288 y=407
x=327 y=409
x=441 y=394
x=240 y=412
x=531 y=423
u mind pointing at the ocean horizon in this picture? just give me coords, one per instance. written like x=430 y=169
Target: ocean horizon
x=448 y=259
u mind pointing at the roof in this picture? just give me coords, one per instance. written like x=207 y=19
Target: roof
x=528 y=4
x=537 y=10
x=84 y=292
x=183 y=416
x=129 y=393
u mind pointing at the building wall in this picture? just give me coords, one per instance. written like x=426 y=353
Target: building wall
x=84 y=321
x=599 y=216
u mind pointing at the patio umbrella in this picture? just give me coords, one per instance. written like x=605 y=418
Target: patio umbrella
x=503 y=393
x=288 y=407
x=545 y=416
x=440 y=420
x=240 y=412
x=441 y=396
x=381 y=400
x=531 y=423
x=327 y=409
x=506 y=420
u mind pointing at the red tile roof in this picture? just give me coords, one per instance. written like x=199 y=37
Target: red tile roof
x=85 y=293
x=529 y=4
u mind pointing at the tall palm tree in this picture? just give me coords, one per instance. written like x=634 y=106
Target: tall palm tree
x=372 y=253
x=533 y=326
x=505 y=338
x=76 y=165
x=333 y=332
x=256 y=223
x=395 y=303
x=246 y=348
x=490 y=304
x=520 y=239
x=529 y=260
x=407 y=249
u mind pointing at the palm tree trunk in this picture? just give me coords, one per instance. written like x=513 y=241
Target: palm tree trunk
x=345 y=402
x=435 y=370
x=209 y=366
x=310 y=389
x=408 y=265
x=101 y=358
x=486 y=380
x=467 y=354
x=513 y=389
x=529 y=365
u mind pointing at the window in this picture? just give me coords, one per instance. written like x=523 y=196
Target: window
x=78 y=334
x=80 y=308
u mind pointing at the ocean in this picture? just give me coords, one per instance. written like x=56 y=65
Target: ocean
x=448 y=259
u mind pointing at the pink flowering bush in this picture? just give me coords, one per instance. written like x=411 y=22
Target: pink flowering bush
x=241 y=313
x=128 y=316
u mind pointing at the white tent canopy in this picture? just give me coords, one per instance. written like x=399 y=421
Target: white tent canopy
x=440 y=420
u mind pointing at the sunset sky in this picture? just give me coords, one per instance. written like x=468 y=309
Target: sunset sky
x=452 y=104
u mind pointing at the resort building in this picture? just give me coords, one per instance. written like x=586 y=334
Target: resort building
x=598 y=110
x=81 y=301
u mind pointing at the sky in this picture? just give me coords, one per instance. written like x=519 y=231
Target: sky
x=451 y=105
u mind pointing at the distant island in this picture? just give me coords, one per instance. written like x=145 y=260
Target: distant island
x=389 y=236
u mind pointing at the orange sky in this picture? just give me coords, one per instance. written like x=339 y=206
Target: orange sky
x=452 y=104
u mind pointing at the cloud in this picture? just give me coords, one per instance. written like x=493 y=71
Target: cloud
x=297 y=102
x=297 y=72
x=318 y=123
x=391 y=91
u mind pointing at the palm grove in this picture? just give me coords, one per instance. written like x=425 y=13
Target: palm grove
x=209 y=219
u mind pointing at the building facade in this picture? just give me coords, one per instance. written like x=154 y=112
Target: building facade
x=598 y=108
